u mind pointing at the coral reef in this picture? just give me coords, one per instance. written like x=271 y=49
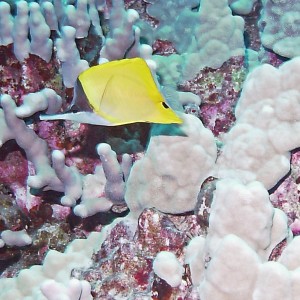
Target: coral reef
x=280 y=27
x=207 y=209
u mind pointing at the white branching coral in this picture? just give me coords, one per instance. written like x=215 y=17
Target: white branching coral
x=52 y=173
x=36 y=149
x=40 y=43
x=6 y=23
x=123 y=40
x=69 y=56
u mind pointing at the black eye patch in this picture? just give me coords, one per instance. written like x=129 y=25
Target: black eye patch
x=165 y=105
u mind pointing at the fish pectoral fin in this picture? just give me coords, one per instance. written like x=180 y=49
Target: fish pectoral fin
x=51 y=117
x=80 y=117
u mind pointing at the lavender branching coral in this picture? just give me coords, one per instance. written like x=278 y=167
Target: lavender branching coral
x=36 y=149
x=54 y=174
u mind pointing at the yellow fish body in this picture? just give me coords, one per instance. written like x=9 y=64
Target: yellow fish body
x=116 y=93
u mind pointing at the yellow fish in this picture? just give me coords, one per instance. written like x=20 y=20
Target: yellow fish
x=116 y=93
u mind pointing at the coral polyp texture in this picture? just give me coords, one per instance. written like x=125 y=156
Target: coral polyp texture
x=281 y=28
x=202 y=210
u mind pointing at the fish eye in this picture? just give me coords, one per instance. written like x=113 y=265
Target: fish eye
x=165 y=105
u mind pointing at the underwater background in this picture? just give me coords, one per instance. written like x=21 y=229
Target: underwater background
x=156 y=209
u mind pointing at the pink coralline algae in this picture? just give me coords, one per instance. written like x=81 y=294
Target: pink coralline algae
x=286 y=196
x=13 y=165
x=218 y=91
x=18 y=79
x=124 y=262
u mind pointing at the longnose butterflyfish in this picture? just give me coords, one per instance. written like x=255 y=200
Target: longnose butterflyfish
x=116 y=93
